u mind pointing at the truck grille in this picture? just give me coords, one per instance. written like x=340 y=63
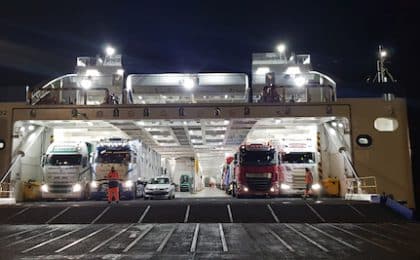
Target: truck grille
x=259 y=184
x=60 y=188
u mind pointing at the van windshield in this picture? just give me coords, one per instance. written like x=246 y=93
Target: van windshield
x=64 y=159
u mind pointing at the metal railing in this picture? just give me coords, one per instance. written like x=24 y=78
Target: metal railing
x=362 y=185
x=6 y=189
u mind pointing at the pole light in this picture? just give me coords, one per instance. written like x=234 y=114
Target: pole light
x=109 y=50
x=281 y=48
x=383 y=54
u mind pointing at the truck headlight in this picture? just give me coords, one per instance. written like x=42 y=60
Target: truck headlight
x=44 y=187
x=316 y=186
x=246 y=189
x=77 y=187
x=128 y=184
x=285 y=186
x=272 y=189
x=94 y=184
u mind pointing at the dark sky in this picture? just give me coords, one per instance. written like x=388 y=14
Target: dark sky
x=41 y=39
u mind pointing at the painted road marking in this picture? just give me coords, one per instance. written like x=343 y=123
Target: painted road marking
x=51 y=240
x=307 y=238
x=19 y=233
x=32 y=237
x=361 y=238
x=162 y=245
x=281 y=240
x=222 y=237
x=100 y=215
x=144 y=214
x=17 y=214
x=81 y=239
x=334 y=238
x=56 y=216
x=315 y=212
x=272 y=213
x=138 y=239
x=109 y=239
x=230 y=213
x=357 y=211
x=195 y=238
x=187 y=213
x=381 y=235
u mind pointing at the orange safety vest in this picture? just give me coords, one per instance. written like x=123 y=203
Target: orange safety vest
x=113 y=177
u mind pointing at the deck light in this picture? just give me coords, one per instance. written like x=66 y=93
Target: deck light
x=188 y=83
x=109 y=51
x=86 y=83
x=281 y=48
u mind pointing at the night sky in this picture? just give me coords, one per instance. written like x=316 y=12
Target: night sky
x=40 y=40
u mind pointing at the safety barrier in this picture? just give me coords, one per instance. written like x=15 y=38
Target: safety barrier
x=361 y=188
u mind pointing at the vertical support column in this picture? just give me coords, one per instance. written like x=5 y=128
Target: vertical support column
x=318 y=145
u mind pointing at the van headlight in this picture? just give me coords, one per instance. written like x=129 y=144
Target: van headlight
x=94 y=184
x=128 y=184
x=77 y=187
x=316 y=186
x=285 y=186
x=44 y=187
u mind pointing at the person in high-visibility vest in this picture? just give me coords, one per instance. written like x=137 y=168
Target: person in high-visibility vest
x=309 y=179
x=113 y=188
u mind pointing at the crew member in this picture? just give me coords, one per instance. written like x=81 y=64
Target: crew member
x=113 y=189
x=309 y=179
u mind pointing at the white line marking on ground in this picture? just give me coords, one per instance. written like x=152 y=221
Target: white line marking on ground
x=19 y=233
x=100 y=215
x=111 y=238
x=362 y=238
x=81 y=239
x=334 y=238
x=17 y=213
x=230 y=213
x=51 y=240
x=272 y=213
x=166 y=239
x=138 y=239
x=187 y=214
x=315 y=212
x=381 y=235
x=307 y=238
x=195 y=238
x=281 y=240
x=56 y=216
x=32 y=237
x=358 y=211
x=144 y=214
x=222 y=237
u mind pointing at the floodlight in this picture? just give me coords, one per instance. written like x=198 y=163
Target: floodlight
x=109 y=51
x=281 y=48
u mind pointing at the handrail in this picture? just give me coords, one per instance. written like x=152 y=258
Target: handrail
x=45 y=87
x=8 y=172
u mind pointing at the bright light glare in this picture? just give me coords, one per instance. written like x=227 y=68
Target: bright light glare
x=188 y=83
x=120 y=72
x=44 y=188
x=334 y=124
x=341 y=125
x=281 y=48
x=77 y=187
x=93 y=184
x=226 y=122
x=109 y=51
x=284 y=186
x=31 y=128
x=272 y=189
x=262 y=70
x=383 y=54
x=92 y=73
x=300 y=81
x=245 y=189
x=292 y=70
x=86 y=83
x=128 y=184
x=316 y=186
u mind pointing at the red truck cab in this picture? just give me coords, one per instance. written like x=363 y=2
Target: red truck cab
x=257 y=171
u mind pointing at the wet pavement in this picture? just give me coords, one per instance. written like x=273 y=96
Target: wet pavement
x=211 y=228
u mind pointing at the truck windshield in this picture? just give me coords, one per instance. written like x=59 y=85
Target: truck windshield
x=258 y=158
x=112 y=156
x=64 y=159
x=159 y=181
x=295 y=157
